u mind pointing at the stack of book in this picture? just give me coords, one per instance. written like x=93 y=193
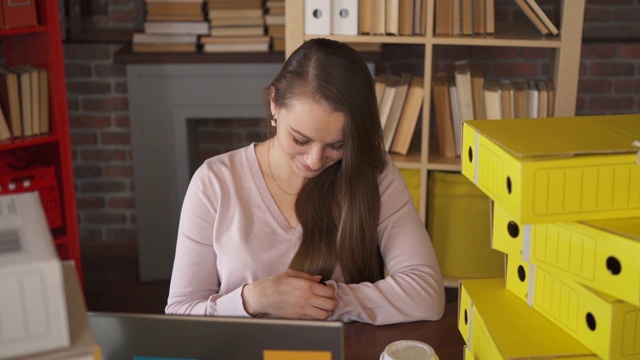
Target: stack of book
x=400 y=101
x=566 y=214
x=235 y=26
x=467 y=95
x=24 y=102
x=275 y=20
x=171 y=26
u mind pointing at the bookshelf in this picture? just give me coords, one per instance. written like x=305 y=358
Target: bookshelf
x=22 y=157
x=563 y=71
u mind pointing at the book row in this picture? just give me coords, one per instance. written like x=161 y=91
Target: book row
x=565 y=198
x=400 y=100
x=467 y=95
x=24 y=102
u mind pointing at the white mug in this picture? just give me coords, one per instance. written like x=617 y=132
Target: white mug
x=408 y=350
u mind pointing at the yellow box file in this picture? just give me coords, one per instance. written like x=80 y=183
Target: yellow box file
x=607 y=326
x=412 y=179
x=496 y=324
x=557 y=169
x=459 y=222
x=601 y=254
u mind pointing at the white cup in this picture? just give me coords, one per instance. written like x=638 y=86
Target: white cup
x=408 y=350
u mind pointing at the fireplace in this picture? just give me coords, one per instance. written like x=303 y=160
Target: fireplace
x=164 y=100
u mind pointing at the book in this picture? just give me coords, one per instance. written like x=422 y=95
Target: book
x=275 y=7
x=222 y=47
x=40 y=92
x=532 y=17
x=145 y=38
x=237 y=21
x=405 y=16
x=234 y=4
x=364 y=20
x=409 y=118
x=543 y=99
x=465 y=93
x=16 y=14
x=535 y=7
x=10 y=100
x=443 y=17
x=392 y=17
x=506 y=99
x=419 y=17
x=477 y=91
x=234 y=13
x=5 y=132
x=456 y=17
x=456 y=118
x=479 y=17
x=397 y=106
x=520 y=98
x=379 y=84
x=492 y=100
x=551 y=90
x=490 y=16
x=270 y=19
x=534 y=97
x=176 y=27
x=466 y=11
x=442 y=114
x=26 y=99
x=378 y=20
x=239 y=30
x=387 y=98
x=260 y=39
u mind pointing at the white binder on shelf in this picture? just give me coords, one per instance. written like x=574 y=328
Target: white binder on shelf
x=344 y=17
x=317 y=17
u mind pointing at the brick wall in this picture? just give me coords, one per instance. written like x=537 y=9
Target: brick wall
x=100 y=124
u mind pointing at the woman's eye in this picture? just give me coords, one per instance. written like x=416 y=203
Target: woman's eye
x=299 y=143
x=337 y=147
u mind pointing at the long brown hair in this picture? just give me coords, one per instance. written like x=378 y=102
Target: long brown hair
x=340 y=208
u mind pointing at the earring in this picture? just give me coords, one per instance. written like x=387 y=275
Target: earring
x=273 y=121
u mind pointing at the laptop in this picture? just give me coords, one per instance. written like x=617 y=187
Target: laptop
x=128 y=336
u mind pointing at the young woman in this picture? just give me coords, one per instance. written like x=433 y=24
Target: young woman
x=304 y=224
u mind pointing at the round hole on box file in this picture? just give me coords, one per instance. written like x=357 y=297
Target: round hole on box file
x=470 y=154
x=513 y=229
x=508 y=185
x=613 y=265
x=317 y=13
x=591 y=321
x=466 y=318
x=344 y=13
x=522 y=273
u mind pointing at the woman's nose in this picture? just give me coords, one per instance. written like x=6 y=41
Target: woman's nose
x=314 y=158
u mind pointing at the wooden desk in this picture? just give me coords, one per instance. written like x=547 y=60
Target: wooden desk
x=366 y=341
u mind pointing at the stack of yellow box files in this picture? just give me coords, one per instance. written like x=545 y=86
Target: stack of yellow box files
x=566 y=212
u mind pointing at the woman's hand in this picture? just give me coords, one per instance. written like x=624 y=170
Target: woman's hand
x=290 y=294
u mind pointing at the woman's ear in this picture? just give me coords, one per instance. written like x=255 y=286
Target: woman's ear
x=272 y=104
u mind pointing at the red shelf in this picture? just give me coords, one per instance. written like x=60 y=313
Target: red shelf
x=42 y=46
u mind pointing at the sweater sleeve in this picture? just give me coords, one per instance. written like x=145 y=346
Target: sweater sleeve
x=195 y=282
x=413 y=289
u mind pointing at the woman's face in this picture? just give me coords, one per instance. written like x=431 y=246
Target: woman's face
x=310 y=134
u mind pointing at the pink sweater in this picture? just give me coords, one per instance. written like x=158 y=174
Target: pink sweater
x=232 y=233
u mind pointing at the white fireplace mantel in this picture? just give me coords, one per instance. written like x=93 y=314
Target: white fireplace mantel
x=162 y=97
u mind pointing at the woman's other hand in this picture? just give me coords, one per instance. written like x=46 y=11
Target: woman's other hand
x=290 y=294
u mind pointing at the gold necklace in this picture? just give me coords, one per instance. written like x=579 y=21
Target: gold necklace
x=271 y=171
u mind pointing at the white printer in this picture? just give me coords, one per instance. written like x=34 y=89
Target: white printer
x=33 y=309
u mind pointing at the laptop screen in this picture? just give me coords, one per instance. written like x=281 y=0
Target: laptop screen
x=169 y=337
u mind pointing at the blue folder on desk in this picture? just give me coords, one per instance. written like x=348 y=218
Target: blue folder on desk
x=170 y=337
